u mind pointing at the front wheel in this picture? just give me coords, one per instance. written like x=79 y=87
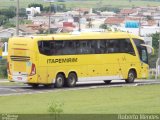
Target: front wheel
x=59 y=81
x=131 y=76
x=72 y=79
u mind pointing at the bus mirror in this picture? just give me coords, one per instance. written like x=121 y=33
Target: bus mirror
x=150 y=49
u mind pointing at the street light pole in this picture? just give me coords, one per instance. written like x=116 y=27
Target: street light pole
x=17 y=19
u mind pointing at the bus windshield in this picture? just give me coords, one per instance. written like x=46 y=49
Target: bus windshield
x=141 y=50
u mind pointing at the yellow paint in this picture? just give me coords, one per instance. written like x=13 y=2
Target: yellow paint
x=87 y=66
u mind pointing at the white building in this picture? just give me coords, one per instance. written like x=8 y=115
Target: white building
x=32 y=11
x=144 y=31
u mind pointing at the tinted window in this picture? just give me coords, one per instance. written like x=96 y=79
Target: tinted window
x=100 y=47
x=113 y=46
x=126 y=47
x=85 y=47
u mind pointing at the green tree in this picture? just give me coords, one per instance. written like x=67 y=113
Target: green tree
x=9 y=25
x=47 y=8
x=148 y=17
x=3 y=19
x=155 y=38
x=36 y=5
x=9 y=13
x=103 y=26
x=155 y=44
x=22 y=12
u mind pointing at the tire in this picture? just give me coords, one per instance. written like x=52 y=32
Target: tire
x=71 y=80
x=131 y=76
x=107 y=81
x=59 y=81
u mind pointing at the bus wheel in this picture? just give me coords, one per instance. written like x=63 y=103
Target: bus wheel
x=131 y=76
x=71 y=80
x=107 y=81
x=59 y=81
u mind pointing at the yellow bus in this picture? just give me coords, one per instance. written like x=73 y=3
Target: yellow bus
x=64 y=59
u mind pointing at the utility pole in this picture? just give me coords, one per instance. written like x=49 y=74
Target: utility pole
x=139 y=27
x=50 y=11
x=49 y=25
x=158 y=60
x=79 y=21
x=17 y=19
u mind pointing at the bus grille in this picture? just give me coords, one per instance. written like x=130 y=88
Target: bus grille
x=20 y=58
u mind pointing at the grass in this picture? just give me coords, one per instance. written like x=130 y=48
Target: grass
x=87 y=3
x=10 y=83
x=141 y=99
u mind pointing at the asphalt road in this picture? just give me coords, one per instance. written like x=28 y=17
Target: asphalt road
x=25 y=89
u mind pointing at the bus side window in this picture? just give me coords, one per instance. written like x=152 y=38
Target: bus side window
x=59 y=45
x=69 y=48
x=126 y=47
x=100 y=47
x=110 y=46
x=78 y=48
x=113 y=46
x=130 y=47
x=83 y=47
x=44 y=47
x=93 y=46
x=40 y=47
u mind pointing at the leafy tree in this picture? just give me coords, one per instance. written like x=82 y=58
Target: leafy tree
x=8 y=13
x=155 y=43
x=3 y=19
x=47 y=9
x=61 y=8
x=148 y=17
x=8 y=25
x=103 y=26
x=36 y=5
x=155 y=38
x=55 y=8
x=22 y=12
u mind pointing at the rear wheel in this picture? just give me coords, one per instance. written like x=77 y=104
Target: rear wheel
x=59 y=81
x=107 y=81
x=131 y=76
x=72 y=79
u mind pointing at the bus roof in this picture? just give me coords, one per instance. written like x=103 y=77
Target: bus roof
x=82 y=36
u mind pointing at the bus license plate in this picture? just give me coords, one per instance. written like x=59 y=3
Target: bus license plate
x=19 y=78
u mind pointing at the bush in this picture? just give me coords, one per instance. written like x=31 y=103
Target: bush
x=3 y=68
x=55 y=107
